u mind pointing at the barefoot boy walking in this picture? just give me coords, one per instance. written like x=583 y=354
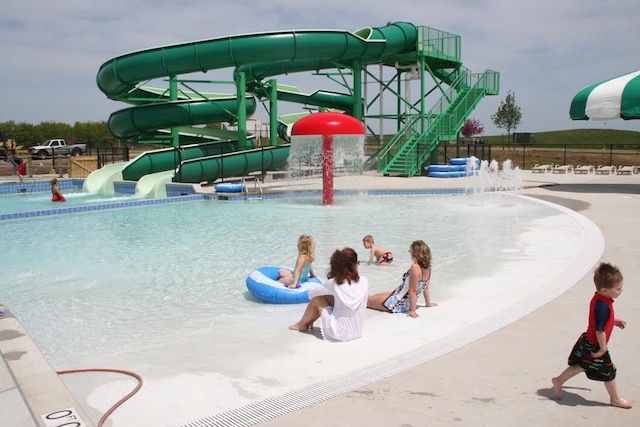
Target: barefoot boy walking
x=590 y=354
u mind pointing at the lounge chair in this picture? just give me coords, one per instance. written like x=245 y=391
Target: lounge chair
x=541 y=168
x=563 y=169
x=605 y=170
x=584 y=169
x=627 y=170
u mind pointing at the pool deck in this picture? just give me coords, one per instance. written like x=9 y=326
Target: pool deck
x=502 y=379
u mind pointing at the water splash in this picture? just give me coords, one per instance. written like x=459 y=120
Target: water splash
x=305 y=156
x=489 y=177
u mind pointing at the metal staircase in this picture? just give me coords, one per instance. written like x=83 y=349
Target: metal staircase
x=407 y=152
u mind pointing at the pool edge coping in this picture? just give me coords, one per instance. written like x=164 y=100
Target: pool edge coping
x=42 y=390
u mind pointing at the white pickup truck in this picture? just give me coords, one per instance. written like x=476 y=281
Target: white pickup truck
x=56 y=146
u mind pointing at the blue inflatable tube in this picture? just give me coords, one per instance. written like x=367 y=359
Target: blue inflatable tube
x=439 y=168
x=464 y=161
x=229 y=187
x=447 y=168
x=263 y=284
x=459 y=161
x=451 y=174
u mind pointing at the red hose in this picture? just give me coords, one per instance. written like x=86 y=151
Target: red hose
x=121 y=401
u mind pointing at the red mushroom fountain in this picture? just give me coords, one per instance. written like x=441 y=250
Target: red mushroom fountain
x=329 y=127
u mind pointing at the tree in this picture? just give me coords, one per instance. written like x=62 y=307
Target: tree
x=94 y=134
x=508 y=115
x=471 y=128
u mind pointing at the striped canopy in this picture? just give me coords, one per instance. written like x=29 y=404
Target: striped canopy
x=618 y=97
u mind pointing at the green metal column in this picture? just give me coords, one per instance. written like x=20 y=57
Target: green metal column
x=273 y=115
x=399 y=101
x=358 y=108
x=382 y=89
x=173 y=95
x=423 y=124
x=241 y=114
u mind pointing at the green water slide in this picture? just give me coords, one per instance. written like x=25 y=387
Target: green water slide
x=256 y=56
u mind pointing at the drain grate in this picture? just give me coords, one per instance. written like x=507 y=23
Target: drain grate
x=294 y=400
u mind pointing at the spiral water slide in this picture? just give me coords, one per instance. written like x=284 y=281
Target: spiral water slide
x=258 y=55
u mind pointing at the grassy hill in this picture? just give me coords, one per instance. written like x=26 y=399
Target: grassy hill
x=585 y=137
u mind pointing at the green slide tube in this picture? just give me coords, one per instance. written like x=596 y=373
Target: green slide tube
x=233 y=164
x=117 y=77
x=144 y=118
x=169 y=158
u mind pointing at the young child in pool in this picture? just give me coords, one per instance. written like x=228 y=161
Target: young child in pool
x=590 y=353
x=303 y=269
x=380 y=253
x=56 y=195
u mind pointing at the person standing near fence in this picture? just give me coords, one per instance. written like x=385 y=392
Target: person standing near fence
x=19 y=166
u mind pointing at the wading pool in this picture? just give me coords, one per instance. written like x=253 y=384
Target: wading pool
x=160 y=291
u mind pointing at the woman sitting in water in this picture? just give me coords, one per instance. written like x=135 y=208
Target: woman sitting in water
x=404 y=298
x=340 y=302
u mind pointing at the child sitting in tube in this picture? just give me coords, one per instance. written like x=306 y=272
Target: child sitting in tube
x=303 y=270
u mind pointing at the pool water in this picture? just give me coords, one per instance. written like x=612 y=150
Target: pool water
x=28 y=202
x=161 y=290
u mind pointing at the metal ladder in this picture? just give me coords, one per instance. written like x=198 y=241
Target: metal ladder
x=257 y=188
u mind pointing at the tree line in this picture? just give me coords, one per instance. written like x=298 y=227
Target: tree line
x=94 y=134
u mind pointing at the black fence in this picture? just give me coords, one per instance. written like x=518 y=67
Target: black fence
x=111 y=155
x=527 y=156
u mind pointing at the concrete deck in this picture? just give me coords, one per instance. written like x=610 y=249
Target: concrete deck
x=502 y=379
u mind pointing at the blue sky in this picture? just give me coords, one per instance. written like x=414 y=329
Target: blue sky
x=545 y=51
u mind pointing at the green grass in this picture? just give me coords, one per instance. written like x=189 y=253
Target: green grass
x=585 y=137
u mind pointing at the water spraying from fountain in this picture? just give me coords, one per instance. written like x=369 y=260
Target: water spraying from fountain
x=332 y=141
x=488 y=177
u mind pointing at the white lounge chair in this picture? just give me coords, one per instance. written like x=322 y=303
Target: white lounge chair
x=584 y=169
x=627 y=170
x=541 y=168
x=605 y=170
x=563 y=169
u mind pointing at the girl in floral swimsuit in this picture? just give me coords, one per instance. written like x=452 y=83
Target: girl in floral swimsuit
x=404 y=298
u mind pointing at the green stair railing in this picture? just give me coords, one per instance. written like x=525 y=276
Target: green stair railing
x=393 y=158
x=410 y=148
x=396 y=145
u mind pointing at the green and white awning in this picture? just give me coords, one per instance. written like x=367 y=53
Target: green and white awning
x=618 y=97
